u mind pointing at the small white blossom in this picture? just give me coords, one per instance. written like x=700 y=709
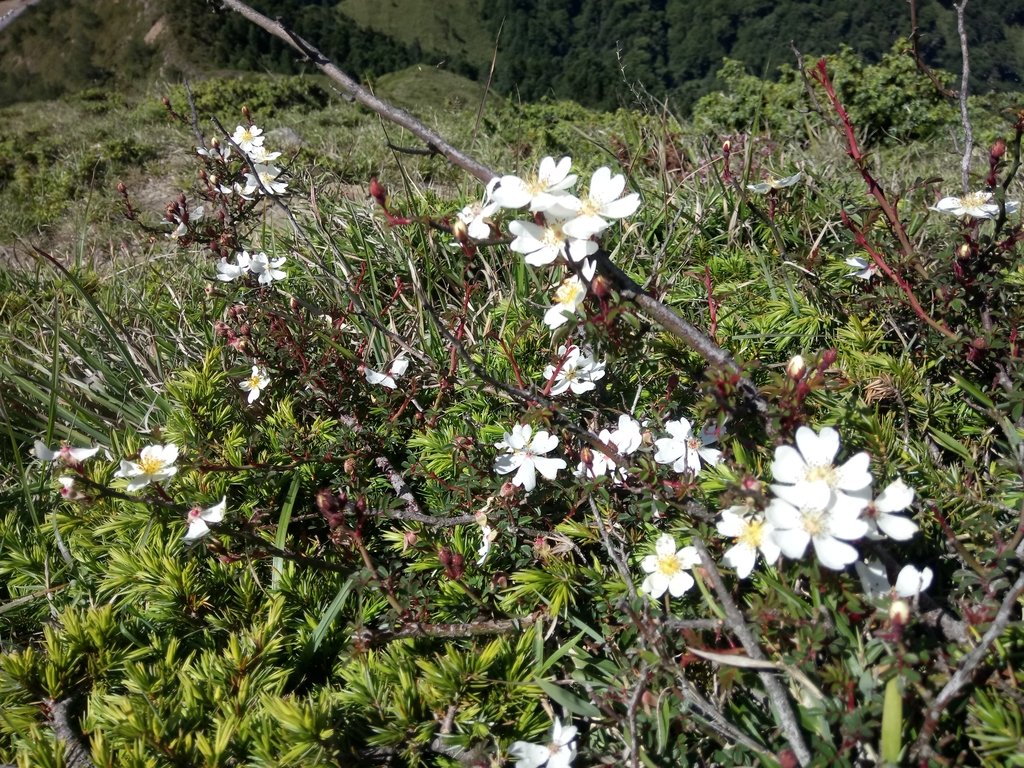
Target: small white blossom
x=67 y=487
x=627 y=437
x=524 y=453
x=488 y=534
x=227 y=272
x=910 y=582
x=395 y=371
x=577 y=372
x=155 y=464
x=813 y=459
x=475 y=216
x=773 y=183
x=976 y=205
x=64 y=454
x=198 y=520
x=559 y=752
x=267 y=270
x=247 y=138
x=258 y=381
x=861 y=268
x=753 y=534
x=812 y=512
x=216 y=151
x=542 y=190
x=264 y=181
x=260 y=156
x=667 y=568
x=541 y=245
x=603 y=201
x=569 y=298
x=881 y=513
x=684 y=450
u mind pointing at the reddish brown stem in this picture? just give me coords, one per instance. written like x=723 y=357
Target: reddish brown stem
x=883 y=265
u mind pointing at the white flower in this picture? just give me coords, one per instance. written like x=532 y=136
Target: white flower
x=264 y=181
x=198 y=519
x=227 y=272
x=977 y=205
x=909 y=582
x=602 y=202
x=599 y=464
x=489 y=535
x=627 y=437
x=396 y=370
x=861 y=269
x=525 y=453
x=541 y=245
x=543 y=190
x=773 y=183
x=65 y=454
x=667 y=568
x=260 y=156
x=266 y=270
x=577 y=372
x=475 y=216
x=217 y=151
x=155 y=464
x=248 y=138
x=684 y=450
x=559 y=752
x=256 y=383
x=67 y=487
x=880 y=513
x=812 y=459
x=569 y=298
x=813 y=512
x=752 y=533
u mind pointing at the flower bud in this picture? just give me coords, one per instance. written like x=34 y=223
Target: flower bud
x=378 y=192
x=409 y=540
x=460 y=231
x=726 y=147
x=121 y=188
x=964 y=251
x=796 y=368
x=587 y=455
x=899 y=612
x=998 y=149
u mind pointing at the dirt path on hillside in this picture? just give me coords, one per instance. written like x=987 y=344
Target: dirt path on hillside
x=11 y=9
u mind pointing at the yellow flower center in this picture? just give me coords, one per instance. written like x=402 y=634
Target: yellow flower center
x=825 y=472
x=590 y=207
x=669 y=565
x=254 y=381
x=570 y=292
x=975 y=199
x=815 y=522
x=150 y=465
x=246 y=136
x=752 y=533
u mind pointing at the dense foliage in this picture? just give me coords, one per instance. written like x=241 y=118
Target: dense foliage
x=301 y=533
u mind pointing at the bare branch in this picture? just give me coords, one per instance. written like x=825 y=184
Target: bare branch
x=965 y=117
x=738 y=626
x=627 y=288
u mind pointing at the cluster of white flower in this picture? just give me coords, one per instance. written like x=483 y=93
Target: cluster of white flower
x=816 y=503
x=265 y=269
x=156 y=464
x=575 y=372
x=681 y=449
x=563 y=224
x=266 y=179
x=68 y=457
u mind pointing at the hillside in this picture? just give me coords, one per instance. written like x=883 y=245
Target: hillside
x=591 y=51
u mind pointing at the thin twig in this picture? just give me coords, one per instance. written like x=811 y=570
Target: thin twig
x=738 y=626
x=965 y=117
x=446 y=631
x=966 y=668
x=613 y=553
